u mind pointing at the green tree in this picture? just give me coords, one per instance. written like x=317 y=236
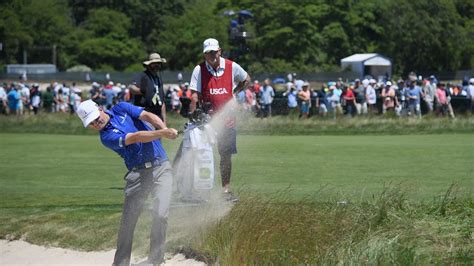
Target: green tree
x=109 y=47
x=34 y=26
x=13 y=35
x=422 y=35
x=112 y=52
x=289 y=32
x=104 y=21
x=180 y=40
x=465 y=9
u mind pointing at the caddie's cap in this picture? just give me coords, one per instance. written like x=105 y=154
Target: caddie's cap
x=210 y=45
x=88 y=111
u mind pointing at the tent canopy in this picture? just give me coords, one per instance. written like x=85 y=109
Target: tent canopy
x=368 y=64
x=367 y=59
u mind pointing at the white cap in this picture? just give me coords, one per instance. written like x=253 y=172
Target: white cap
x=471 y=80
x=210 y=45
x=365 y=82
x=88 y=111
x=388 y=83
x=372 y=81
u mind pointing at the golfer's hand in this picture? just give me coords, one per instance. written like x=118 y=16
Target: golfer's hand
x=170 y=133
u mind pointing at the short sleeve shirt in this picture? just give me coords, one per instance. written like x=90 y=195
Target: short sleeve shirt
x=149 y=85
x=124 y=120
x=238 y=74
x=415 y=91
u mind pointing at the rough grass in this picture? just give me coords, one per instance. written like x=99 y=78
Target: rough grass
x=373 y=125
x=385 y=230
x=59 y=123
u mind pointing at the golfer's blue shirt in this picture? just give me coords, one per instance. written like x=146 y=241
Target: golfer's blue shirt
x=124 y=120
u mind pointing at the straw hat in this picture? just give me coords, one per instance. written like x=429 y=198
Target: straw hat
x=154 y=58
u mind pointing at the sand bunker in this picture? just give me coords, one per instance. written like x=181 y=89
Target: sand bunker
x=23 y=253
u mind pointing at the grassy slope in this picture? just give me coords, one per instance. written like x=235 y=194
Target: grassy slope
x=65 y=190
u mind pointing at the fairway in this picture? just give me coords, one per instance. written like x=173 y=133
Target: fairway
x=64 y=170
x=356 y=166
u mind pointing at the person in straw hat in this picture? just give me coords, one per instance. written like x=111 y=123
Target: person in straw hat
x=147 y=87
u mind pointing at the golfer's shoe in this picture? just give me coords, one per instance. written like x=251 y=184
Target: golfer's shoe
x=229 y=196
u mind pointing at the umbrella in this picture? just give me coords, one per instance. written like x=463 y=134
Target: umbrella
x=245 y=14
x=279 y=80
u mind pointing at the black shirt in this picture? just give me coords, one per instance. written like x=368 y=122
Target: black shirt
x=149 y=83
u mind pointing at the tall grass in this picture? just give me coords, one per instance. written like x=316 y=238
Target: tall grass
x=59 y=123
x=385 y=230
x=284 y=125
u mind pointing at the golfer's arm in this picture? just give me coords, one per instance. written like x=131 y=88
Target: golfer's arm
x=152 y=119
x=143 y=136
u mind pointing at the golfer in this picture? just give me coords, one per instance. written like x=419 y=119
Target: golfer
x=122 y=129
x=214 y=81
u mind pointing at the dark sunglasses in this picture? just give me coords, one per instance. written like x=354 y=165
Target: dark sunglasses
x=211 y=52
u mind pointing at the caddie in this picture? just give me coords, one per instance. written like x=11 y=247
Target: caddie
x=214 y=81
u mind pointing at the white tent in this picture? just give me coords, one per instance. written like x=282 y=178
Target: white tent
x=368 y=64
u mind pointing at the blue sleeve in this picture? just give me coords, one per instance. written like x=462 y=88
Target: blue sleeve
x=130 y=109
x=113 y=140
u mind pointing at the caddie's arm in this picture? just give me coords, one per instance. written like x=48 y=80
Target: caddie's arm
x=243 y=84
x=153 y=119
x=194 y=101
x=148 y=136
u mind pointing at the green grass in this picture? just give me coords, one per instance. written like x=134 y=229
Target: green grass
x=386 y=230
x=355 y=166
x=65 y=190
x=59 y=123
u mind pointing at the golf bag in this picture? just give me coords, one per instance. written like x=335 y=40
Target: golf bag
x=193 y=165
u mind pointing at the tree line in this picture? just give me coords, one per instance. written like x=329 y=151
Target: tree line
x=302 y=36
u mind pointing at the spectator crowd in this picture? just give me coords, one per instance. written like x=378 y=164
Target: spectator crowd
x=404 y=97
x=407 y=97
